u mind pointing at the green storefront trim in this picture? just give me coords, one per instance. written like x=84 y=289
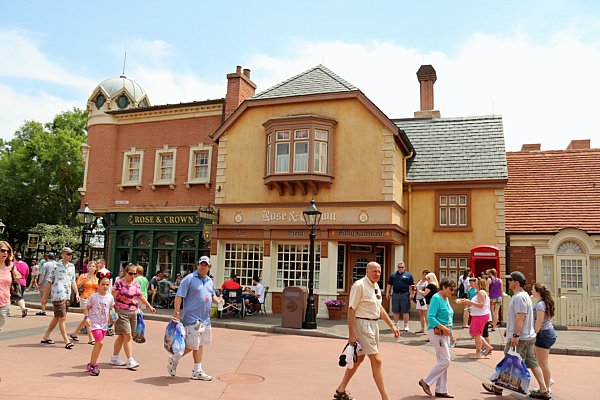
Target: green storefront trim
x=170 y=240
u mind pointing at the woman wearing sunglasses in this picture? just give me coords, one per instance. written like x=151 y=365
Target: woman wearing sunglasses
x=127 y=293
x=7 y=273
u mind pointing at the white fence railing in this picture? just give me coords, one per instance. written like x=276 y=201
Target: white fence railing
x=577 y=312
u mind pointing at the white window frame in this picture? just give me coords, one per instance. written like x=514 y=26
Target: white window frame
x=292 y=265
x=127 y=155
x=157 y=167
x=245 y=259
x=191 y=180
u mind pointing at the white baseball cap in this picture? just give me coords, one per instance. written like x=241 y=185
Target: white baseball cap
x=204 y=259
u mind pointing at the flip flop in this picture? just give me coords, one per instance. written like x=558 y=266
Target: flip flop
x=47 y=341
x=69 y=346
x=74 y=337
x=93 y=342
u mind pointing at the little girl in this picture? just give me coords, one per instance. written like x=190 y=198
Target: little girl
x=97 y=316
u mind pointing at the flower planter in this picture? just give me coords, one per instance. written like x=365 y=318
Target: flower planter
x=335 y=313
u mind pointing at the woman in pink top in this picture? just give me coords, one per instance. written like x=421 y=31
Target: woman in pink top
x=480 y=315
x=7 y=273
x=127 y=293
x=495 y=288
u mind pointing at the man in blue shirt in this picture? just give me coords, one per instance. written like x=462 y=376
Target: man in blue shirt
x=403 y=284
x=199 y=293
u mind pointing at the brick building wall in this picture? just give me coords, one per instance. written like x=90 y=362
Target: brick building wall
x=522 y=258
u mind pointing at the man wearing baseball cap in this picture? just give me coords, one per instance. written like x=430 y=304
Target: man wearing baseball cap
x=198 y=291
x=520 y=331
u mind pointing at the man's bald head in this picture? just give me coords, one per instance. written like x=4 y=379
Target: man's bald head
x=373 y=271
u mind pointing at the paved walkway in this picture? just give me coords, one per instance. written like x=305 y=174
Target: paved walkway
x=569 y=342
x=245 y=365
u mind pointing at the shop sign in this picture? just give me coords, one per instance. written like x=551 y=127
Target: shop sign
x=163 y=219
x=484 y=254
x=347 y=233
x=292 y=216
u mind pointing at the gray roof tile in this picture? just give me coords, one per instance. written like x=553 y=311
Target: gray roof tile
x=455 y=149
x=316 y=80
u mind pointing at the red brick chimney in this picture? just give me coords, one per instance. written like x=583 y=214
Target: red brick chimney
x=427 y=77
x=531 y=147
x=583 y=144
x=239 y=88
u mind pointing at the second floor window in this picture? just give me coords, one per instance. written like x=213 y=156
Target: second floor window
x=133 y=161
x=134 y=169
x=166 y=166
x=453 y=210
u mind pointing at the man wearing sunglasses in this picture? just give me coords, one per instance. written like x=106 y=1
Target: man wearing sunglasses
x=364 y=309
x=60 y=282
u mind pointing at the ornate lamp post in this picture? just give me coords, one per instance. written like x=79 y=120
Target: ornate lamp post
x=312 y=216
x=86 y=218
x=2 y=227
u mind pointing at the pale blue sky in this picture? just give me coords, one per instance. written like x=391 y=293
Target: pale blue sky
x=520 y=59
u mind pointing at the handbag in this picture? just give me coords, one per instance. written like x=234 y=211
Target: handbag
x=139 y=335
x=15 y=287
x=512 y=373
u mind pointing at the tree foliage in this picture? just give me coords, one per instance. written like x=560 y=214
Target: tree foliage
x=41 y=169
x=58 y=236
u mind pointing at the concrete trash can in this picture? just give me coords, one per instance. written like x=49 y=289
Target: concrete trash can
x=293 y=306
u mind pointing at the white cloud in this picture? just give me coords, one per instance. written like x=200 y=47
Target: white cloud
x=22 y=58
x=543 y=91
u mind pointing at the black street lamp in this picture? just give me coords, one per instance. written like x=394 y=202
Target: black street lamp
x=2 y=227
x=86 y=218
x=312 y=216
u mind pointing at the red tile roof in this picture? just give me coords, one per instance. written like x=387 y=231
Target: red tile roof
x=551 y=190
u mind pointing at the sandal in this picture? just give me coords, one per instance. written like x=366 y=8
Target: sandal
x=47 y=341
x=93 y=342
x=342 y=395
x=74 y=338
x=69 y=346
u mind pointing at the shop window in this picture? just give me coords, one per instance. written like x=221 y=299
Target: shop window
x=595 y=275
x=450 y=266
x=453 y=210
x=142 y=257
x=164 y=167
x=341 y=268
x=299 y=153
x=143 y=241
x=245 y=259
x=548 y=266
x=124 y=240
x=359 y=270
x=165 y=241
x=199 y=165
x=187 y=261
x=293 y=265
x=187 y=242
x=133 y=161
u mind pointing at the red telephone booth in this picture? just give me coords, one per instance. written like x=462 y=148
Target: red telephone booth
x=484 y=257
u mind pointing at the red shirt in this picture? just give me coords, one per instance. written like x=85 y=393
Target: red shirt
x=231 y=285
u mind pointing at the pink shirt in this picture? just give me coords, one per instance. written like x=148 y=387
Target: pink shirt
x=23 y=269
x=127 y=295
x=5 y=281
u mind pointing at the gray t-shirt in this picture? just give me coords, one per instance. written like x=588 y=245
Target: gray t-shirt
x=45 y=271
x=541 y=306
x=520 y=304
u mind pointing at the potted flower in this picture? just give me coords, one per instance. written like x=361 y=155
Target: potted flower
x=335 y=308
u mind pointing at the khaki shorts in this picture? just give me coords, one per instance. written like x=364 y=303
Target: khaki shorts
x=195 y=339
x=367 y=333
x=60 y=308
x=525 y=348
x=127 y=322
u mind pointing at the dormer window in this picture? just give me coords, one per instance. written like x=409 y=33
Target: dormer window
x=122 y=101
x=100 y=100
x=299 y=153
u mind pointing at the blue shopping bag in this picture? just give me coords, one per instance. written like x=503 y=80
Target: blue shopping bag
x=140 y=331
x=512 y=373
x=174 y=341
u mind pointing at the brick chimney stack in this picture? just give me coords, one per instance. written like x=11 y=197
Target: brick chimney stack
x=582 y=144
x=427 y=77
x=239 y=88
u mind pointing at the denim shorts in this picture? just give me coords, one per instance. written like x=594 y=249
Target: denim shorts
x=545 y=338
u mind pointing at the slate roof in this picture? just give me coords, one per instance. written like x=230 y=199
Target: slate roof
x=455 y=149
x=316 y=80
x=551 y=190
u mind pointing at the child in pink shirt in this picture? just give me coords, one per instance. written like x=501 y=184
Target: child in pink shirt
x=98 y=313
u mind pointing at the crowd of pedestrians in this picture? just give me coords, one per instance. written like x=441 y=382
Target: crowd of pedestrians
x=105 y=301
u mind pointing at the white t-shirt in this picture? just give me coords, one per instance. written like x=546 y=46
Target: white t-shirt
x=260 y=292
x=99 y=307
x=485 y=310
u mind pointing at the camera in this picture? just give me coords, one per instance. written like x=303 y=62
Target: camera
x=342 y=362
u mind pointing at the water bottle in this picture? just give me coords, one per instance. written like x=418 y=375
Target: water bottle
x=114 y=315
x=220 y=305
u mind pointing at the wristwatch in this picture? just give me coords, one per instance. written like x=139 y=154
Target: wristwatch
x=515 y=335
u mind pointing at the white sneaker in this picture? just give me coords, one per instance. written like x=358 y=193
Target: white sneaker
x=535 y=389
x=172 y=366
x=201 y=376
x=405 y=328
x=117 y=362
x=132 y=364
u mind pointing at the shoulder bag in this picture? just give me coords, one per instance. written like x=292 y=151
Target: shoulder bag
x=15 y=287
